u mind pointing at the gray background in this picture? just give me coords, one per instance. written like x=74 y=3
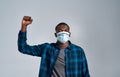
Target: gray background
x=95 y=26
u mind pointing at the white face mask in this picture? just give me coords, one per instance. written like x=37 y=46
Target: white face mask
x=63 y=37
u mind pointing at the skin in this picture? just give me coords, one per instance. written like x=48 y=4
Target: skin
x=60 y=29
x=27 y=20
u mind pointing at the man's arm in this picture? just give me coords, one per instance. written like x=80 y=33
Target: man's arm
x=23 y=47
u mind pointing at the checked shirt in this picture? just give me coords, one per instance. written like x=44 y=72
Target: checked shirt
x=75 y=60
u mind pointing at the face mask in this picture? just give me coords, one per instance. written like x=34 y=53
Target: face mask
x=63 y=37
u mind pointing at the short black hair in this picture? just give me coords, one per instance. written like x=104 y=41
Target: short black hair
x=62 y=23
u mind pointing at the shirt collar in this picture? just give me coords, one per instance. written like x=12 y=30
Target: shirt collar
x=69 y=46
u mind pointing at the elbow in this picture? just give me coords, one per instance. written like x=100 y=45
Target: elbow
x=21 y=49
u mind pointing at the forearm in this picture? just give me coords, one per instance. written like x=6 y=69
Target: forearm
x=23 y=28
x=23 y=47
x=22 y=41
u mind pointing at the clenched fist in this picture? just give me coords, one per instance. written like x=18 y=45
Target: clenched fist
x=25 y=22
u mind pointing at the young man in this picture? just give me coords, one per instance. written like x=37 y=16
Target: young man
x=60 y=59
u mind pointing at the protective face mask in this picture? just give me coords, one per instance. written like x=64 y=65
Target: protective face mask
x=63 y=37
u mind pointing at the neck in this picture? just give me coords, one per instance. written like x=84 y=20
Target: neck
x=61 y=45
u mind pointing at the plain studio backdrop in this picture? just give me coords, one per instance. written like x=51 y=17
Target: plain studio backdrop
x=95 y=26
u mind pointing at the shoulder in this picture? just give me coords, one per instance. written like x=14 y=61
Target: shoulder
x=76 y=47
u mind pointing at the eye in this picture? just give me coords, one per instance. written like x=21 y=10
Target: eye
x=66 y=30
x=59 y=30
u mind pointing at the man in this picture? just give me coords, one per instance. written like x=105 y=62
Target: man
x=60 y=59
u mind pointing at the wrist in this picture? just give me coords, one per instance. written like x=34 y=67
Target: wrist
x=24 y=28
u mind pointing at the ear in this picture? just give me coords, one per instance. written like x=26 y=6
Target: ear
x=55 y=34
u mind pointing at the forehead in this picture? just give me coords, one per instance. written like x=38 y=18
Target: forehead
x=62 y=27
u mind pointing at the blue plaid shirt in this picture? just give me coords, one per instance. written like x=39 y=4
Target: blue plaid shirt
x=76 y=63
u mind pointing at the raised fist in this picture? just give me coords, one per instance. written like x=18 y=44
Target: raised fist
x=26 y=20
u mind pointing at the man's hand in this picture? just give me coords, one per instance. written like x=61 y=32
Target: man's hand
x=25 y=22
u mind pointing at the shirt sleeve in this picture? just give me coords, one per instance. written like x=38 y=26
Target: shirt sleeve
x=85 y=66
x=23 y=47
